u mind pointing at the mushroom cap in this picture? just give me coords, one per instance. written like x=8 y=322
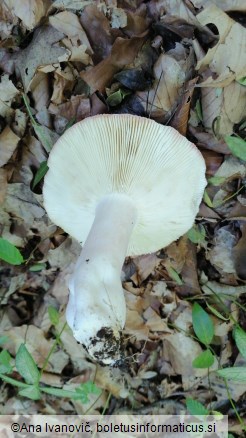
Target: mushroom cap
x=159 y=169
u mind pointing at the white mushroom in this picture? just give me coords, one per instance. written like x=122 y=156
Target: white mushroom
x=122 y=185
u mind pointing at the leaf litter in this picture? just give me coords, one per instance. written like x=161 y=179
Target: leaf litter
x=167 y=62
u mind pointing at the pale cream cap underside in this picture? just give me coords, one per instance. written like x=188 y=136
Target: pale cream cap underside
x=161 y=171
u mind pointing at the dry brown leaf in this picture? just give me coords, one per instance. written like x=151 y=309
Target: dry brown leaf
x=7 y=90
x=135 y=326
x=213 y=161
x=37 y=345
x=225 y=105
x=95 y=23
x=228 y=57
x=64 y=80
x=22 y=204
x=181 y=116
x=41 y=51
x=8 y=143
x=231 y=166
x=123 y=52
x=30 y=12
x=207 y=140
x=78 y=52
x=169 y=79
x=145 y=265
x=69 y=24
x=77 y=107
x=3 y=184
x=137 y=21
x=189 y=272
x=154 y=322
x=176 y=255
x=181 y=350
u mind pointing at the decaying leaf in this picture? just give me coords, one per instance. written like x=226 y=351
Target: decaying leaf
x=38 y=346
x=228 y=57
x=123 y=52
x=8 y=143
x=78 y=108
x=166 y=90
x=223 y=107
x=30 y=12
x=181 y=116
x=220 y=255
x=41 y=51
x=69 y=24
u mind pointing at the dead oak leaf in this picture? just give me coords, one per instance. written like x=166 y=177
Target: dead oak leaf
x=123 y=52
x=69 y=24
x=228 y=57
x=41 y=51
x=78 y=107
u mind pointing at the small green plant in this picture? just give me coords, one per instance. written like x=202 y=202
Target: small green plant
x=9 y=253
x=237 y=146
x=204 y=329
x=197 y=234
x=30 y=385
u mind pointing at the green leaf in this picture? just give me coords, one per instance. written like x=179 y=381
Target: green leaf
x=216 y=180
x=174 y=275
x=240 y=339
x=88 y=388
x=43 y=169
x=237 y=374
x=53 y=315
x=13 y=382
x=37 y=267
x=5 y=365
x=115 y=98
x=207 y=199
x=197 y=234
x=41 y=131
x=32 y=392
x=204 y=360
x=195 y=408
x=57 y=392
x=202 y=324
x=237 y=146
x=9 y=253
x=26 y=366
x=242 y=81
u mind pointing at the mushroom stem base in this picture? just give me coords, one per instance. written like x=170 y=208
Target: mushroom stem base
x=96 y=298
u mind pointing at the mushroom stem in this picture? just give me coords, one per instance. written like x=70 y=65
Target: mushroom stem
x=96 y=310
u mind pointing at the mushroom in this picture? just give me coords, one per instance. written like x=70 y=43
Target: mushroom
x=122 y=185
